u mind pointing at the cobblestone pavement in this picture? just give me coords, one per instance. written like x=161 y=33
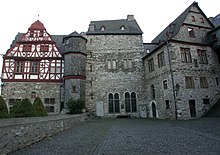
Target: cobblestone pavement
x=133 y=136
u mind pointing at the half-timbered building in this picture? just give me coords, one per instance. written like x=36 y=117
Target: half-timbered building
x=33 y=66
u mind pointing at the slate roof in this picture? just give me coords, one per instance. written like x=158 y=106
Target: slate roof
x=171 y=30
x=114 y=27
x=74 y=34
x=216 y=20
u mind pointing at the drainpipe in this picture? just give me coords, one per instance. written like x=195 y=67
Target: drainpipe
x=172 y=81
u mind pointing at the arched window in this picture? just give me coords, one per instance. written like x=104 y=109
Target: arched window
x=133 y=102
x=130 y=102
x=152 y=91
x=113 y=103
x=110 y=103
x=116 y=100
x=127 y=102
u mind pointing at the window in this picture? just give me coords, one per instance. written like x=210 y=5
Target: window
x=191 y=32
x=102 y=28
x=202 y=56
x=152 y=91
x=26 y=47
x=41 y=34
x=133 y=102
x=167 y=104
x=111 y=64
x=151 y=65
x=206 y=101
x=19 y=67
x=217 y=81
x=161 y=61
x=127 y=63
x=113 y=102
x=130 y=102
x=185 y=55
x=193 y=18
x=31 y=33
x=12 y=102
x=74 y=89
x=44 y=48
x=203 y=82
x=189 y=82
x=90 y=68
x=165 y=84
x=90 y=41
x=33 y=94
x=122 y=28
x=34 y=67
x=49 y=101
x=202 y=20
x=196 y=63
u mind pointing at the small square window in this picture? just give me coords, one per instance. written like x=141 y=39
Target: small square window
x=74 y=89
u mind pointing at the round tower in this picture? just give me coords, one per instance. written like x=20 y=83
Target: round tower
x=74 y=46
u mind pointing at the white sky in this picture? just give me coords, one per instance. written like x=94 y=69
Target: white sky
x=66 y=16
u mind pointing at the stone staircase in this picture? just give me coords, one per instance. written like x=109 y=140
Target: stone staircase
x=214 y=111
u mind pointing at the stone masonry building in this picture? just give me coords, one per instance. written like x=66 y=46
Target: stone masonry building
x=176 y=76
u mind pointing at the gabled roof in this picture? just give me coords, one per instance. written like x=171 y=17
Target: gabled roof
x=172 y=29
x=122 y=26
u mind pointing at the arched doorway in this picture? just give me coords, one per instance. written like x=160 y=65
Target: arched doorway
x=154 y=111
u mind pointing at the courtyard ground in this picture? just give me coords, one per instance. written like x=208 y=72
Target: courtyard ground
x=133 y=136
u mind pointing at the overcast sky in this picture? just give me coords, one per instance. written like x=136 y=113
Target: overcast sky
x=66 y=16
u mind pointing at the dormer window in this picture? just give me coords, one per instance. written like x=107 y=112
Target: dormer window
x=122 y=28
x=102 y=28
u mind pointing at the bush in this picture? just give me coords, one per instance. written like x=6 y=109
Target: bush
x=76 y=106
x=3 y=108
x=14 y=109
x=39 y=107
x=24 y=109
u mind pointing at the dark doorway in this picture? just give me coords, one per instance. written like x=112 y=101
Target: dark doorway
x=192 y=106
x=154 y=111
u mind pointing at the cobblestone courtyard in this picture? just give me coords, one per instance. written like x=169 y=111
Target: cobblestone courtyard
x=133 y=136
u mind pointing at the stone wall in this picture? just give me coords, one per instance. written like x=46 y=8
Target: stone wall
x=101 y=80
x=17 y=133
x=21 y=90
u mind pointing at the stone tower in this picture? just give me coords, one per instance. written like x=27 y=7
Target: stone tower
x=75 y=66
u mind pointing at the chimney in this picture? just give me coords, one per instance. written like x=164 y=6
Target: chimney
x=91 y=27
x=130 y=17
